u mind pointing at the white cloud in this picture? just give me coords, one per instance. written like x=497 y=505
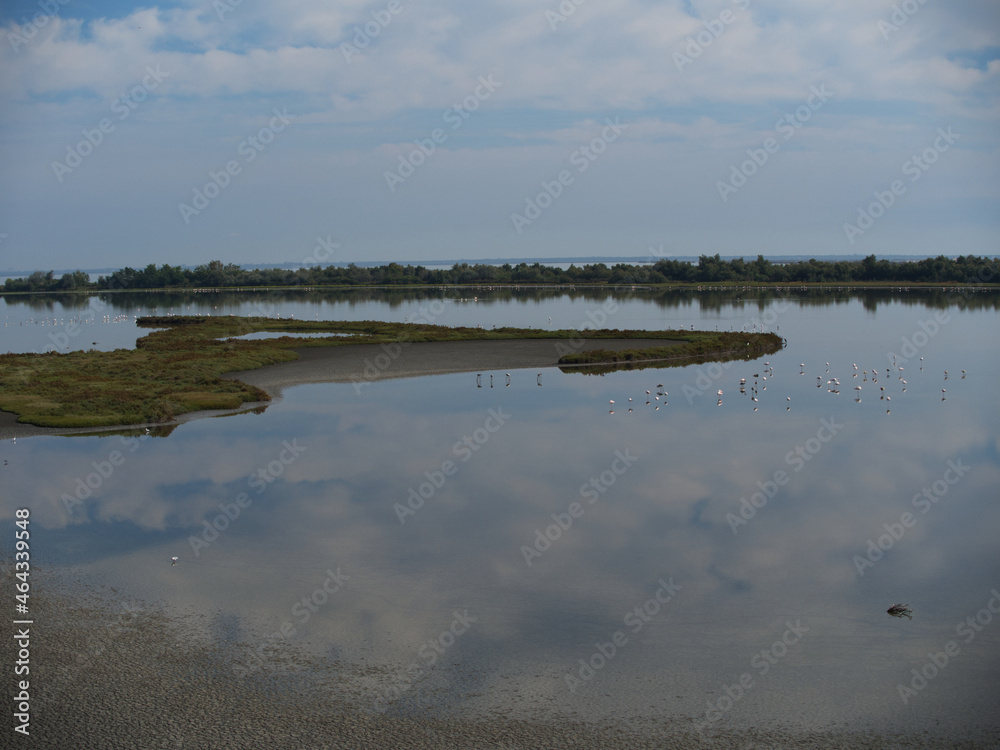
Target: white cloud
x=606 y=59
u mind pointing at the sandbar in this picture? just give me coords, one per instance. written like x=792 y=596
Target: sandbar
x=367 y=363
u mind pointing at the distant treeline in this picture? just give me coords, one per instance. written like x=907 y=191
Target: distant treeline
x=709 y=269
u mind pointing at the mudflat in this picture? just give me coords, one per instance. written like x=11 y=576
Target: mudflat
x=111 y=672
x=366 y=363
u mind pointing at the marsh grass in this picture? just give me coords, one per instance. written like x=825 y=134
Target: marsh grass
x=177 y=369
x=694 y=344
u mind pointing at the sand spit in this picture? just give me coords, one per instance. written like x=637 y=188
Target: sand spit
x=112 y=673
x=366 y=363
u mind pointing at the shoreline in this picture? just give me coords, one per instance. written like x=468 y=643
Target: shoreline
x=364 y=364
x=109 y=671
x=360 y=363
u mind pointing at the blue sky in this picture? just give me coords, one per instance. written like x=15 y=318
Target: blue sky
x=404 y=130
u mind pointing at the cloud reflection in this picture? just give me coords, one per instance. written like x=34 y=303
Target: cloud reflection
x=664 y=517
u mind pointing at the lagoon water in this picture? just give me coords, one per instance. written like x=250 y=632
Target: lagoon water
x=523 y=549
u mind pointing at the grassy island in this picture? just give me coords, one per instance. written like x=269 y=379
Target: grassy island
x=178 y=369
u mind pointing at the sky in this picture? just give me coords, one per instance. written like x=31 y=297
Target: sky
x=303 y=131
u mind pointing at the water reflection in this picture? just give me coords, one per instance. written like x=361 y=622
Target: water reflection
x=106 y=321
x=356 y=523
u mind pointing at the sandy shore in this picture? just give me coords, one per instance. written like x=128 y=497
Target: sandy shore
x=367 y=363
x=110 y=672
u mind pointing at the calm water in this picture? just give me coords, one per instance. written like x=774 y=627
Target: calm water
x=420 y=503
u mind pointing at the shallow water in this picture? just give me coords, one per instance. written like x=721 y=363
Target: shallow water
x=420 y=503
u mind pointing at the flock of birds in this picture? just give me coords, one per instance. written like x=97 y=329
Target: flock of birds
x=479 y=380
x=655 y=402
x=77 y=320
x=888 y=383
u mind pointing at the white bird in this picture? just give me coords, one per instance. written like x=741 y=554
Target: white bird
x=173 y=560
